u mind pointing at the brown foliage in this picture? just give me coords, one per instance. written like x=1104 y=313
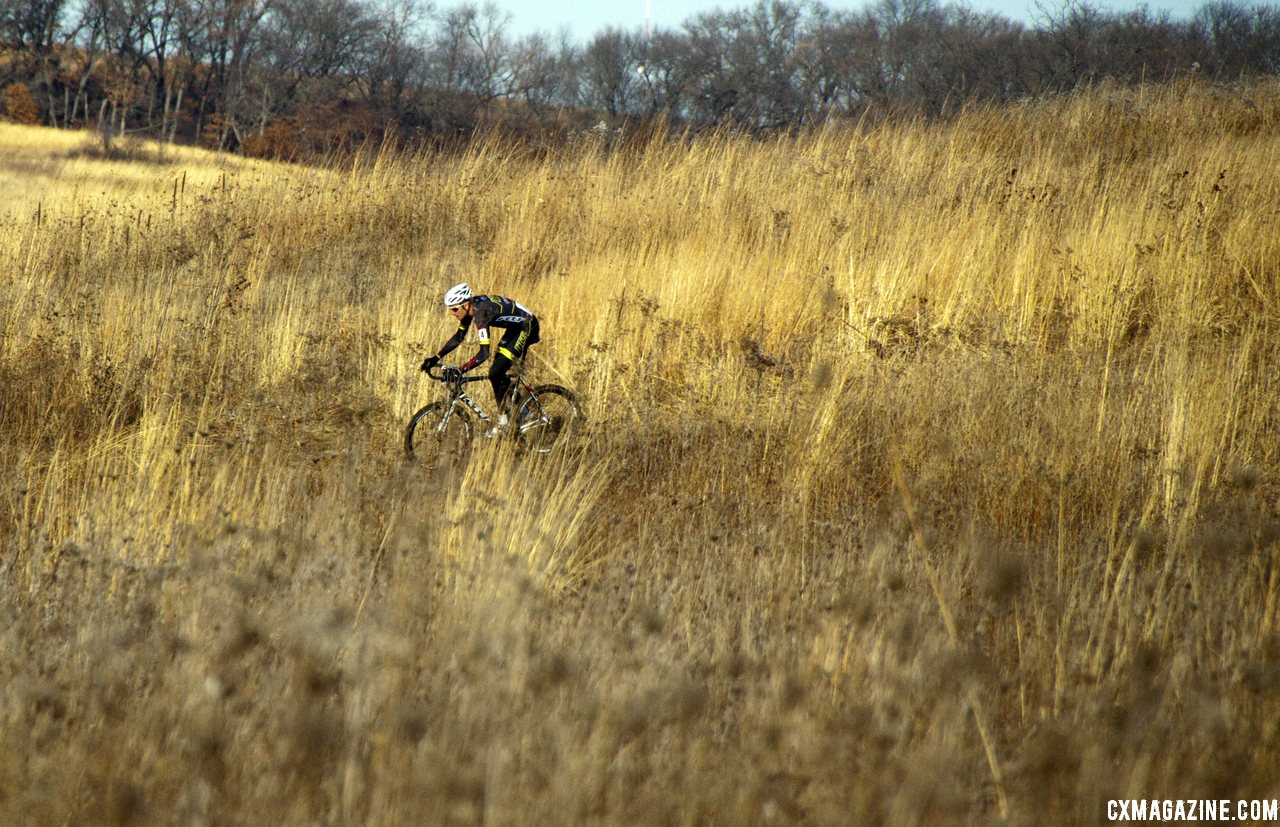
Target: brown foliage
x=319 y=132
x=228 y=599
x=18 y=105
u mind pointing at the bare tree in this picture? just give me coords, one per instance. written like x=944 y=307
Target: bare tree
x=149 y=29
x=1070 y=35
x=823 y=60
x=1240 y=40
x=665 y=73
x=471 y=52
x=395 y=68
x=31 y=25
x=610 y=80
x=766 y=55
x=963 y=55
x=1144 y=46
x=900 y=37
x=31 y=29
x=542 y=74
x=762 y=66
x=225 y=69
x=715 y=92
x=224 y=37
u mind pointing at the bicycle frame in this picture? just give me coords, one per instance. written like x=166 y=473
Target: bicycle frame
x=457 y=394
x=541 y=415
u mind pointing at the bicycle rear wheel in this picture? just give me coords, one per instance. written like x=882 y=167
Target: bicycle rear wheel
x=549 y=417
x=438 y=430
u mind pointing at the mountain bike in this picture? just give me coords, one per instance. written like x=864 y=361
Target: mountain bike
x=541 y=418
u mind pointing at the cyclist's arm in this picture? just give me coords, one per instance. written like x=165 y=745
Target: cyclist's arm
x=482 y=333
x=484 y=312
x=457 y=339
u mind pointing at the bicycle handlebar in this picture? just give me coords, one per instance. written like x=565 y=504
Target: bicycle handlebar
x=436 y=372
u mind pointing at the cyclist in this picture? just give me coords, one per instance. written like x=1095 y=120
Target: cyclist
x=521 y=331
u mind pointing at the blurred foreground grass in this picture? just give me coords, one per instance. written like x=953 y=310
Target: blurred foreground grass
x=226 y=599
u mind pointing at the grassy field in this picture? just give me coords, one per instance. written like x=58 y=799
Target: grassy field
x=930 y=477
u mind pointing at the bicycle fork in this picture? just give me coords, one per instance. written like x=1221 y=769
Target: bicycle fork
x=475 y=409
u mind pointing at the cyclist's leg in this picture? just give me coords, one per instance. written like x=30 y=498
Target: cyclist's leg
x=513 y=346
x=498 y=375
x=523 y=343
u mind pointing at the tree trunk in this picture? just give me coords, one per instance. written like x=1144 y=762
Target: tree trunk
x=177 y=112
x=164 y=116
x=104 y=127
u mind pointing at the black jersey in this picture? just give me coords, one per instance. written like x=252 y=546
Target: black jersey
x=495 y=311
x=487 y=312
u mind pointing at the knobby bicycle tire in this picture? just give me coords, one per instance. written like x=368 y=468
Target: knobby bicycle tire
x=548 y=418
x=428 y=433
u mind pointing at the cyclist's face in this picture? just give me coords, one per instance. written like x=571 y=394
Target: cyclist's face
x=460 y=310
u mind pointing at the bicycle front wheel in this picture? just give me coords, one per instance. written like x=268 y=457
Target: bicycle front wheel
x=439 y=430
x=548 y=418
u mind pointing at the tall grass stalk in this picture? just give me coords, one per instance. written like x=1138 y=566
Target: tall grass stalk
x=228 y=598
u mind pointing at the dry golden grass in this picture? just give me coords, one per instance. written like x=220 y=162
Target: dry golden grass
x=930 y=478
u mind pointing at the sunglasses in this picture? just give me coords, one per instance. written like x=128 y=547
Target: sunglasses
x=456 y=308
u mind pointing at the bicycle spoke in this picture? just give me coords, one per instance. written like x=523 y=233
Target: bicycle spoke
x=438 y=431
x=548 y=418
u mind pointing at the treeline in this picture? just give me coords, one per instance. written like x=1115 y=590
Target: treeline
x=297 y=76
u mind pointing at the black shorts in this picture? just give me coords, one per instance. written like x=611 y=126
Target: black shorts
x=516 y=342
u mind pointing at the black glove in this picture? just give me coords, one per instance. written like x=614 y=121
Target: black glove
x=430 y=362
x=451 y=374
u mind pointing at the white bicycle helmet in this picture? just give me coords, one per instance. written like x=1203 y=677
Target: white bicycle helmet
x=457 y=294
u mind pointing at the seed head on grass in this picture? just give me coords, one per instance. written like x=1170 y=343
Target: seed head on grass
x=801 y=665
